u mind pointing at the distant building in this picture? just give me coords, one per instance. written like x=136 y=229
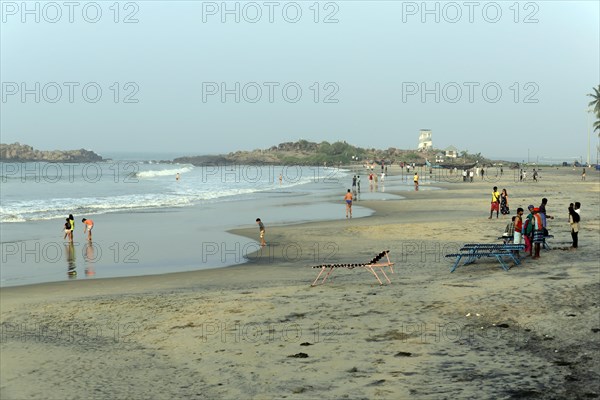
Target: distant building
x=439 y=157
x=425 y=142
x=451 y=152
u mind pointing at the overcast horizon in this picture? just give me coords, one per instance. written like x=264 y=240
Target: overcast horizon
x=505 y=79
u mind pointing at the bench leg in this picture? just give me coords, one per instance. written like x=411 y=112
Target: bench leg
x=324 y=278
x=386 y=277
x=502 y=263
x=374 y=273
x=456 y=263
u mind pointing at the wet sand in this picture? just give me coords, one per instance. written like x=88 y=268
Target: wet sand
x=260 y=330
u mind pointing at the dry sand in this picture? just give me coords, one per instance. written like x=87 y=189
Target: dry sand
x=259 y=331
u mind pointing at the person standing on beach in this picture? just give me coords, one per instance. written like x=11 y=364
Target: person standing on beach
x=68 y=230
x=416 y=181
x=535 y=175
x=495 y=205
x=358 y=182
x=504 y=208
x=471 y=175
x=543 y=215
x=527 y=230
x=574 y=223
x=517 y=237
x=72 y=222
x=261 y=228
x=482 y=173
x=583 y=175
x=177 y=176
x=354 y=183
x=538 y=233
x=348 y=200
x=88 y=224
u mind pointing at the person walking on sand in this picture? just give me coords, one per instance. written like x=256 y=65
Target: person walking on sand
x=416 y=181
x=88 y=225
x=348 y=200
x=583 y=175
x=495 y=205
x=261 y=228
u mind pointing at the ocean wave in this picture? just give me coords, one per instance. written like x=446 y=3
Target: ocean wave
x=163 y=172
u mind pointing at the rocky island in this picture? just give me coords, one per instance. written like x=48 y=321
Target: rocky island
x=304 y=152
x=17 y=152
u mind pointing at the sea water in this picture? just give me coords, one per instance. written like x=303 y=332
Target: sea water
x=150 y=217
x=39 y=191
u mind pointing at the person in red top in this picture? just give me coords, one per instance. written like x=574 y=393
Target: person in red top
x=88 y=225
x=518 y=226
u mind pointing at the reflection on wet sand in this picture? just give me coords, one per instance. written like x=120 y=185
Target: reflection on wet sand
x=89 y=259
x=71 y=267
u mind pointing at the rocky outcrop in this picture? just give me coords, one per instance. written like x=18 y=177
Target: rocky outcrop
x=17 y=152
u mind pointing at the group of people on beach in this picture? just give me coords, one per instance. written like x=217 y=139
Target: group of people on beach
x=532 y=230
x=69 y=227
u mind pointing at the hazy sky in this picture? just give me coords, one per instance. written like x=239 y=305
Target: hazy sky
x=184 y=76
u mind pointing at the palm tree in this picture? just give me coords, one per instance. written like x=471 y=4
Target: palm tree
x=596 y=104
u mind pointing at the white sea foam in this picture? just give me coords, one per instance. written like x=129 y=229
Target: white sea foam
x=163 y=172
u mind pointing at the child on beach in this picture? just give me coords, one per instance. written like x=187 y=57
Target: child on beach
x=261 y=228
x=509 y=231
x=88 y=224
x=72 y=222
x=416 y=181
x=348 y=199
x=68 y=230
x=574 y=219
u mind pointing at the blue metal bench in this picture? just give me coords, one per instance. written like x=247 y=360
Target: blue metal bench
x=473 y=251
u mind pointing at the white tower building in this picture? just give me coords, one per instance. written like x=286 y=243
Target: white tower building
x=425 y=141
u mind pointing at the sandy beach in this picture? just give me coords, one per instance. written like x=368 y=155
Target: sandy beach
x=260 y=331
